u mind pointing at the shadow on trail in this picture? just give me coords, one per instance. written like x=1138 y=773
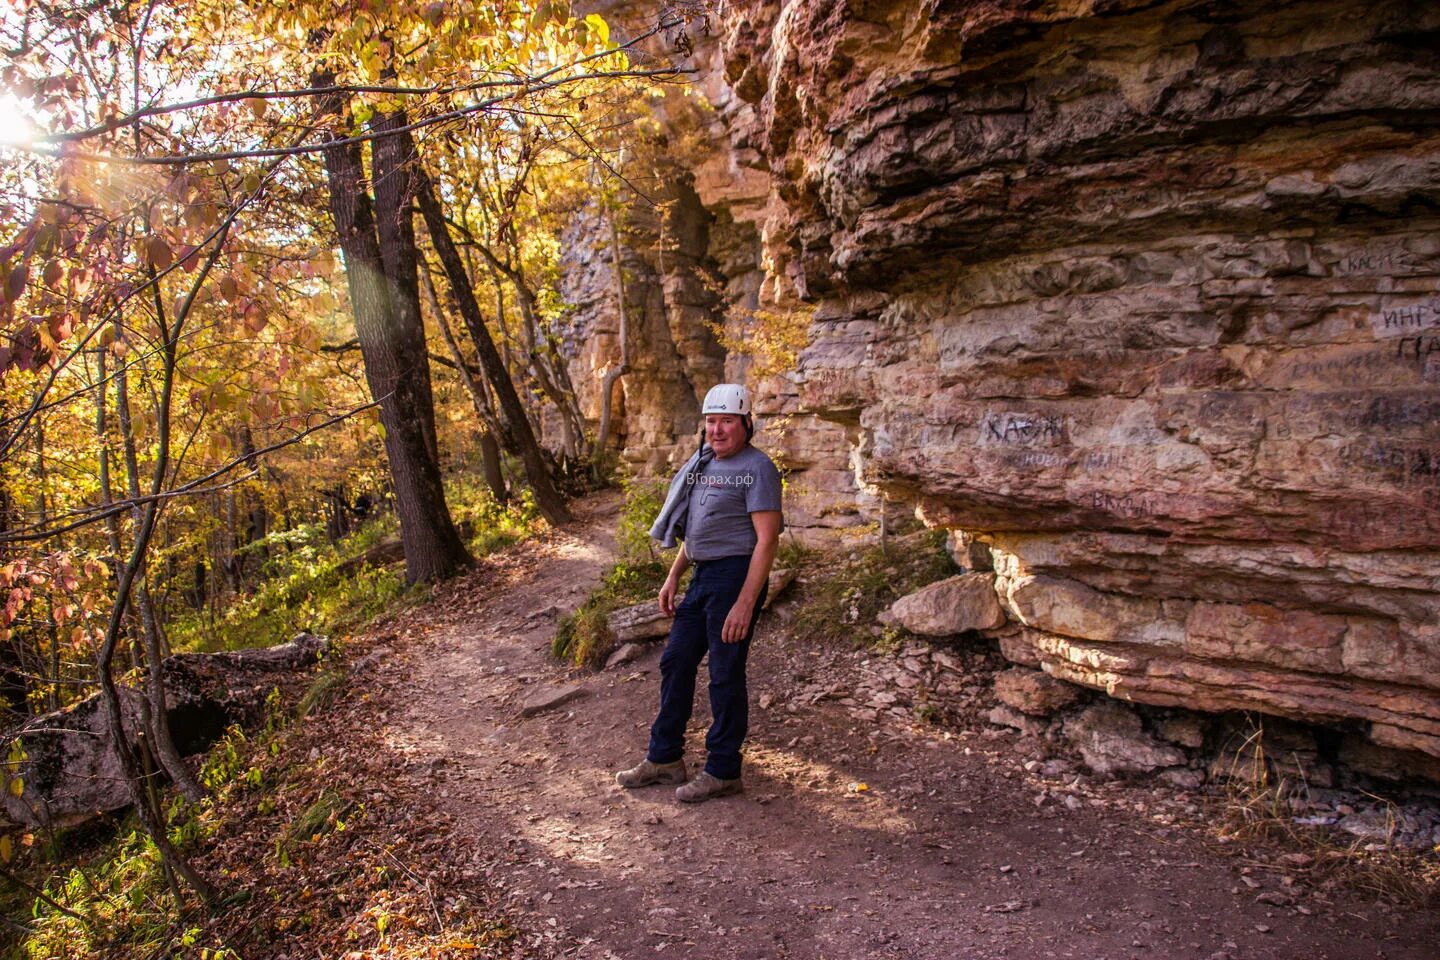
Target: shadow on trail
x=851 y=840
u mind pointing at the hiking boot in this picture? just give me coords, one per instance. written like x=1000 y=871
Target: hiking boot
x=705 y=786
x=648 y=773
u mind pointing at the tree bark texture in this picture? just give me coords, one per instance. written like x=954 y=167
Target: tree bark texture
x=393 y=162
x=607 y=386
x=395 y=366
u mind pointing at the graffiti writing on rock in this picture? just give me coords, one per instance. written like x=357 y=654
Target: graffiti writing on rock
x=1024 y=429
x=1034 y=459
x=1100 y=460
x=1397 y=321
x=1123 y=504
x=1408 y=463
x=1398 y=412
x=1343 y=367
x=1370 y=263
x=1417 y=347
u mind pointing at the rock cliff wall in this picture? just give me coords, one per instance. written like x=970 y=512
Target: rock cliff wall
x=1144 y=297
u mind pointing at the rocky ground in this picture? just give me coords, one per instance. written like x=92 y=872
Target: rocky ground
x=869 y=828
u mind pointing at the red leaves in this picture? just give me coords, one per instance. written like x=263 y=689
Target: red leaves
x=26 y=350
x=15 y=282
x=158 y=253
x=254 y=317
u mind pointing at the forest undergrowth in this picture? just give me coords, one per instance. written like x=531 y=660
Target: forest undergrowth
x=310 y=839
x=290 y=836
x=310 y=583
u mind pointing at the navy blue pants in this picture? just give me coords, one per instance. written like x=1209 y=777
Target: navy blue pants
x=696 y=631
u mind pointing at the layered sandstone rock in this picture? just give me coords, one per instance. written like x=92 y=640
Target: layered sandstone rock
x=1141 y=295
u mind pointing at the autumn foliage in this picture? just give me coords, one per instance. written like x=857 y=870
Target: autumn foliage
x=189 y=373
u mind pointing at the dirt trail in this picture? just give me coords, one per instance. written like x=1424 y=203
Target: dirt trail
x=947 y=851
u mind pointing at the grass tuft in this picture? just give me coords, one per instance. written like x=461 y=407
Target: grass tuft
x=583 y=637
x=321 y=692
x=839 y=597
x=1257 y=813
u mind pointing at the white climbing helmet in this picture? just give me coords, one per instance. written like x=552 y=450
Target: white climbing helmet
x=727 y=398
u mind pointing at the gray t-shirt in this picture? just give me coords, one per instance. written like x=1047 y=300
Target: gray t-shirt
x=725 y=493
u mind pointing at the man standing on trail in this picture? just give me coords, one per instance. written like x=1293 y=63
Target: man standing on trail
x=725 y=505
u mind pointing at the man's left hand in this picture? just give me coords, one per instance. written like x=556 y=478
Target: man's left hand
x=737 y=624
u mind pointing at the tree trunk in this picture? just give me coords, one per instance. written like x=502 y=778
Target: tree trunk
x=544 y=362
x=612 y=375
x=516 y=425
x=489 y=428
x=42 y=510
x=392 y=161
x=155 y=712
x=395 y=366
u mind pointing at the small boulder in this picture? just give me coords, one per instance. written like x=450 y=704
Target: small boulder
x=623 y=655
x=550 y=699
x=952 y=606
x=1019 y=647
x=1111 y=741
x=643 y=621
x=1034 y=692
x=780 y=578
x=1003 y=716
x=1186 y=729
x=1183 y=778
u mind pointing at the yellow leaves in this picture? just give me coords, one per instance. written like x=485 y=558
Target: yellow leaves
x=599 y=29
x=323 y=302
x=14 y=784
x=369 y=60
x=202 y=216
x=7 y=848
x=251 y=183
x=258 y=106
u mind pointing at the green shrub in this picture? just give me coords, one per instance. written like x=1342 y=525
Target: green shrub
x=321 y=692
x=493 y=526
x=843 y=593
x=304 y=587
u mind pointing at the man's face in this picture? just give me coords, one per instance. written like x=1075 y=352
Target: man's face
x=725 y=432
